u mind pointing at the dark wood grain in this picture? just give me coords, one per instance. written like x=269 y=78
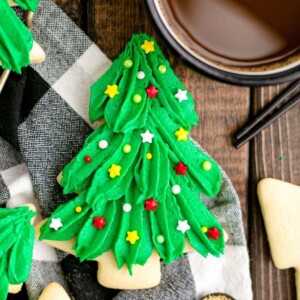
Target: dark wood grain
x=111 y=24
x=281 y=139
x=221 y=109
x=74 y=10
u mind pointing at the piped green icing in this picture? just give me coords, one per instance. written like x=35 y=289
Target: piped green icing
x=16 y=246
x=142 y=176
x=16 y=40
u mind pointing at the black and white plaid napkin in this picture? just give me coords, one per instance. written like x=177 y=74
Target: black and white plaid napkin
x=43 y=124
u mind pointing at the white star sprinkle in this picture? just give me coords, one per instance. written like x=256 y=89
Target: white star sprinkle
x=147 y=137
x=181 y=95
x=183 y=226
x=56 y=224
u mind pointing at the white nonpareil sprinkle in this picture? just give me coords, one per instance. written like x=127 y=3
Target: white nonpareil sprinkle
x=140 y=75
x=126 y=207
x=176 y=189
x=103 y=144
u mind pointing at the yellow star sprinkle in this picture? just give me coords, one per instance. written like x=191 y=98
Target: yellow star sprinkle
x=148 y=46
x=181 y=134
x=111 y=90
x=114 y=171
x=132 y=237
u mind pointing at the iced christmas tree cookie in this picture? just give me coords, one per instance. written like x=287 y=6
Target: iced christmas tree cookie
x=16 y=247
x=17 y=46
x=139 y=176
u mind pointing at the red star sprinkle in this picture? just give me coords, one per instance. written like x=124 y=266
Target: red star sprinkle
x=180 y=168
x=87 y=159
x=213 y=233
x=151 y=91
x=151 y=204
x=99 y=222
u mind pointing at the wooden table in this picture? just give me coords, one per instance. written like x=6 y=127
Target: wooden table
x=222 y=109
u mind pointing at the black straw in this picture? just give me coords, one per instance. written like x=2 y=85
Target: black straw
x=280 y=99
x=266 y=122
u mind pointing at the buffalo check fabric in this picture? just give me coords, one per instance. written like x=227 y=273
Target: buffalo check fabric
x=43 y=124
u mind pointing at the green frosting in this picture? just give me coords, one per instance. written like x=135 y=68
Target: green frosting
x=141 y=177
x=16 y=246
x=16 y=40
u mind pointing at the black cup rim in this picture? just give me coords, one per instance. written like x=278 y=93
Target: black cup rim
x=213 y=72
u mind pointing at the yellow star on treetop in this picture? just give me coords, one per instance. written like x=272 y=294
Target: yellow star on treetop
x=114 y=171
x=132 y=237
x=181 y=134
x=111 y=90
x=148 y=46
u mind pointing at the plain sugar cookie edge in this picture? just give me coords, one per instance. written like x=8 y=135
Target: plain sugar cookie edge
x=280 y=204
x=264 y=183
x=54 y=291
x=15 y=288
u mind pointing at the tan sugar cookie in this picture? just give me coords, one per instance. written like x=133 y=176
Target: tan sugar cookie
x=138 y=176
x=12 y=3
x=280 y=205
x=54 y=291
x=16 y=288
x=37 y=54
x=108 y=273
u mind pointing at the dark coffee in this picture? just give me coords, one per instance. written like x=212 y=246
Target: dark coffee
x=237 y=32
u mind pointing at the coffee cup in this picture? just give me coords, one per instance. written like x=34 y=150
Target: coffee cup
x=248 y=42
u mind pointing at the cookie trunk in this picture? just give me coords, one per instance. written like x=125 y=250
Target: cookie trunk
x=143 y=277
x=109 y=275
